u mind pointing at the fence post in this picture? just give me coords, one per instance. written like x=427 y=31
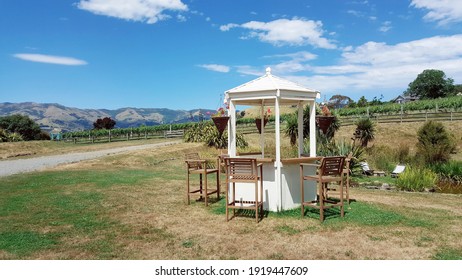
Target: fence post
x=401 y=114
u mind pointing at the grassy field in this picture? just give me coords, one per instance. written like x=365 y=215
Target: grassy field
x=132 y=206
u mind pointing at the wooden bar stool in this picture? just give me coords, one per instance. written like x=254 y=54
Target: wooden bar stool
x=329 y=171
x=196 y=165
x=244 y=170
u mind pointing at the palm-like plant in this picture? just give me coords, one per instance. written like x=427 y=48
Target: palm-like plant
x=365 y=131
x=291 y=129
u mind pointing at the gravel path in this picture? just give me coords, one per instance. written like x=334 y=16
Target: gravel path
x=10 y=167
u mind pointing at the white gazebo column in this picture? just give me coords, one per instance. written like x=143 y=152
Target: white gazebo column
x=262 y=125
x=312 y=129
x=278 y=152
x=300 y=129
x=232 y=130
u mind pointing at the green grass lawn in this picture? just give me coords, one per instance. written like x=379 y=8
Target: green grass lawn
x=133 y=207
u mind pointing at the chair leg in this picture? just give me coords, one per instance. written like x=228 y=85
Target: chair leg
x=261 y=196
x=302 y=191
x=321 y=202
x=227 y=198
x=187 y=189
x=260 y=202
x=342 y=210
x=200 y=185
x=234 y=199
x=256 y=202
x=206 y=190
x=218 y=184
x=348 y=189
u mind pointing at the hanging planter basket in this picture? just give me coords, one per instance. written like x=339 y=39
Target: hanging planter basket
x=324 y=122
x=258 y=123
x=221 y=123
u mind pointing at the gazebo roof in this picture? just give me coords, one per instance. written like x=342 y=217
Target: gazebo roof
x=268 y=87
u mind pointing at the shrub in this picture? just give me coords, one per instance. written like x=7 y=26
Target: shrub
x=402 y=153
x=416 y=179
x=450 y=170
x=206 y=132
x=23 y=125
x=14 y=137
x=382 y=158
x=3 y=135
x=435 y=144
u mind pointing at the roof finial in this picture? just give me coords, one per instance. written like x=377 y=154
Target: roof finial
x=268 y=71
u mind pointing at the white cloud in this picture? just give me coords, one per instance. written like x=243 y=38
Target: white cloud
x=293 y=62
x=372 y=67
x=295 y=31
x=386 y=26
x=216 y=67
x=250 y=70
x=443 y=11
x=228 y=26
x=42 y=58
x=420 y=51
x=377 y=66
x=149 y=11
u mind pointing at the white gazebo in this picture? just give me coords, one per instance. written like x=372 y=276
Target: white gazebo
x=281 y=185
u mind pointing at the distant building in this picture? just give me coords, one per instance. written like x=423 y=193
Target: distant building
x=401 y=99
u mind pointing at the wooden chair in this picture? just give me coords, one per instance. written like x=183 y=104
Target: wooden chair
x=335 y=189
x=244 y=170
x=196 y=165
x=329 y=171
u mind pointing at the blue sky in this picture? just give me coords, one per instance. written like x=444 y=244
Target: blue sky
x=183 y=54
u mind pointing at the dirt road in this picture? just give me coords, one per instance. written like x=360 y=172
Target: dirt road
x=10 y=167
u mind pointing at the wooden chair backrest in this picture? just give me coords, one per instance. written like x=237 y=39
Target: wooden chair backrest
x=241 y=166
x=331 y=166
x=192 y=157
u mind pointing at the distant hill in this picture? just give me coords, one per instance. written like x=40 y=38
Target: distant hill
x=55 y=116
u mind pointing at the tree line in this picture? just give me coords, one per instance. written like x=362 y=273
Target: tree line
x=430 y=84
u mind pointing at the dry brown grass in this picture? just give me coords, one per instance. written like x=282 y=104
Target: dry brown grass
x=156 y=223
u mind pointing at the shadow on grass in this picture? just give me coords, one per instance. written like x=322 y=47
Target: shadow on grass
x=359 y=213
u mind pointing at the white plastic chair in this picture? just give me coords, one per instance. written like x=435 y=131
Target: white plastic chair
x=398 y=170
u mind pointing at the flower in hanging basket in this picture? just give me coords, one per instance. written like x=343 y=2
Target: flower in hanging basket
x=325 y=120
x=325 y=111
x=221 y=112
x=220 y=120
x=267 y=113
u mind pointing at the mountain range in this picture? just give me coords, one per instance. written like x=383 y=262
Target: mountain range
x=52 y=116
